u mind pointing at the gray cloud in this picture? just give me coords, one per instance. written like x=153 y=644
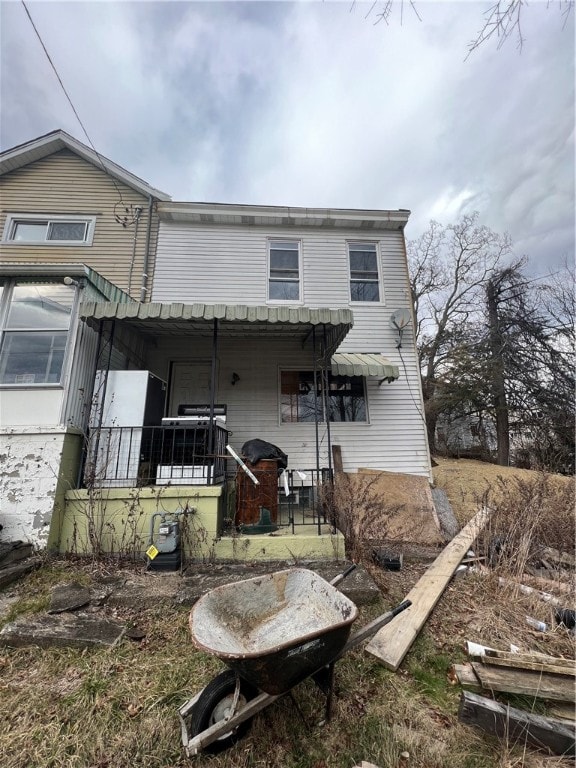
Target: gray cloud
x=313 y=105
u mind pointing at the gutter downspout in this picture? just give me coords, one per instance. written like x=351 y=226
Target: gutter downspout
x=144 y=285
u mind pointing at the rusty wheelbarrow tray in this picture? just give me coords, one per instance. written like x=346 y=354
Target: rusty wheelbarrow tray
x=272 y=632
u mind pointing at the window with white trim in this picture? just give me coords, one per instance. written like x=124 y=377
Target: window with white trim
x=364 y=277
x=27 y=229
x=34 y=329
x=284 y=270
x=300 y=401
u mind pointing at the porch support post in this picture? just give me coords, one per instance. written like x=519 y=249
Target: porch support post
x=212 y=398
x=325 y=367
x=315 y=359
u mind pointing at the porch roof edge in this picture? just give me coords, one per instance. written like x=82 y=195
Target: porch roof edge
x=182 y=319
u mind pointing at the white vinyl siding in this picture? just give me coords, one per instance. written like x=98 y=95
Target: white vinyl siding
x=394 y=440
x=228 y=264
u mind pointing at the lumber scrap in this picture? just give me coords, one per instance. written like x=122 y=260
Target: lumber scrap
x=466 y=676
x=393 y=641
x=566 y=559
x=562 y=711
x=515 y=725
x=550 y=664
x=337 y=458
x=525 y=682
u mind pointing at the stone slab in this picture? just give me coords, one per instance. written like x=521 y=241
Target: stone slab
x=68 y=597
x=63 y=630
x=13 y=551
x=14 y=572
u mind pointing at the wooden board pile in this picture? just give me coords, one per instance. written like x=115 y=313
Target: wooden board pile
x=535 y=675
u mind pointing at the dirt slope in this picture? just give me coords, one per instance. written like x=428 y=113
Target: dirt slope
x=466 y=482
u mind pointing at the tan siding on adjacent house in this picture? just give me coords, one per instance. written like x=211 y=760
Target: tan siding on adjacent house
x=65 y=183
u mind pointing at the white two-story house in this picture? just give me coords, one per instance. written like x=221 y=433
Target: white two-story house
x=275 y=260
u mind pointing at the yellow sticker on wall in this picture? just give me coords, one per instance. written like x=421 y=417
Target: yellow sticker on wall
x=152 y=552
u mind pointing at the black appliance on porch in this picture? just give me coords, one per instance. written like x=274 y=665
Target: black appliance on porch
x=185 y=454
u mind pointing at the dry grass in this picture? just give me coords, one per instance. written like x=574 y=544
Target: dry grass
x=65 y=708
x=467 y=482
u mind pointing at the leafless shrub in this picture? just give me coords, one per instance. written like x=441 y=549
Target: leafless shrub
x=529 y=516
x=356 y=506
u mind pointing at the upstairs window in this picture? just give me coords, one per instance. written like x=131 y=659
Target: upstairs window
x=364 y=278
x=56 y=230
x=34 y=334
x=284 y=270
x=345 y=398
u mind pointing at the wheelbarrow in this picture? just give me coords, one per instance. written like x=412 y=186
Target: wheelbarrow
x=272 y=632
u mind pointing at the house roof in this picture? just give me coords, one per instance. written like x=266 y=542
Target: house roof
x=273 y=215
x=238 y=320
x=43 y=146
x=55 y=272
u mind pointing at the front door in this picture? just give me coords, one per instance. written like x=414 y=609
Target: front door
x=190 y=384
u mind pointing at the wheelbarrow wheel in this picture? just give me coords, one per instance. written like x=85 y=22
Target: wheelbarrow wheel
x=214 y=704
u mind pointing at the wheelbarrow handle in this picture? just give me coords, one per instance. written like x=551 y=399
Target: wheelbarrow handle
x=341 y=576
x=370 y=629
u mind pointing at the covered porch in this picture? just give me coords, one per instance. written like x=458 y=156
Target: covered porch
x=228 y=358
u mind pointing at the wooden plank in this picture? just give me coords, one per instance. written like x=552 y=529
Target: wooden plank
x=337 y=458
x=525 y=661
x=562 y=710
x=466 y=676
x=393 y=641
x=515 y=725
x=523 y=681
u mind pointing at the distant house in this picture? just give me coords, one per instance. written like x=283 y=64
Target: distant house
x=73 y=226
x=232 y=323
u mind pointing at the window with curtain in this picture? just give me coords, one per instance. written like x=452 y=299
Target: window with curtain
x=300 y=401
x=34 y=334
x=284 y=270
x=364 y=278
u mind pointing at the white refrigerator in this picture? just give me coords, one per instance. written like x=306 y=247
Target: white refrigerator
x=123 y=403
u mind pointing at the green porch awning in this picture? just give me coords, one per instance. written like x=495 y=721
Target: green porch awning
x=234 y=320
x=348 y=364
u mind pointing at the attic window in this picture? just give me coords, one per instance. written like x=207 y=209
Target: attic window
x=28 y=229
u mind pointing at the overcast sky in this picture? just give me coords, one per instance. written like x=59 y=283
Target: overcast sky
x=313 y=104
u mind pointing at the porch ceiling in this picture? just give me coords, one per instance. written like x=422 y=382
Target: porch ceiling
x=234 y=320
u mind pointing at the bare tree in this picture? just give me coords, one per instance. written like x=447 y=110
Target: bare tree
x=530 y=365
x=502 y=20
x=449 y=268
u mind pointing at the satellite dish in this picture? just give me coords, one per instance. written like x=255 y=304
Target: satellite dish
x=400 y=319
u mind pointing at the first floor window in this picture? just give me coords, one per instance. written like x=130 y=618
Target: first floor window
x=301 y=398
x=34 y=333
x=284 y=270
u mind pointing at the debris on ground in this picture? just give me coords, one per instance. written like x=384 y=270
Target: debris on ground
x=393 y=641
